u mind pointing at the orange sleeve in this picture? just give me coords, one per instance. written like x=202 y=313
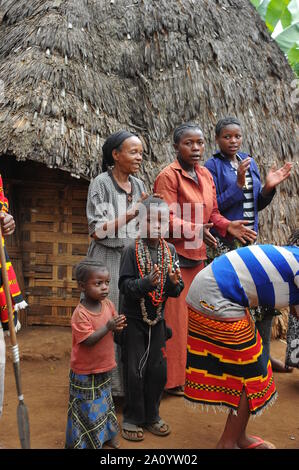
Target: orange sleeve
x=167 y=185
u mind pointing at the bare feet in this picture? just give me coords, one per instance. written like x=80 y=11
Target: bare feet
x=178 y=391
x=227 y=445
x=114 y=443
x=254 y=442
x=279 y=366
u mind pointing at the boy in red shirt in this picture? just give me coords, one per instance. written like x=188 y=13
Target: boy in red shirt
x=91 y=415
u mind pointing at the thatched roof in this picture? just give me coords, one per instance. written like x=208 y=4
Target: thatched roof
x=76 y=70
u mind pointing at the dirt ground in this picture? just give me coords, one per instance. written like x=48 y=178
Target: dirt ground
x=45 y=353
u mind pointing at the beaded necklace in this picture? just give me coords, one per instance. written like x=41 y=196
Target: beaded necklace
x=145 y=265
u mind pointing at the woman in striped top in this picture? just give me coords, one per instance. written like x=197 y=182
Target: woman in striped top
x=240 y=195
x=227 y=365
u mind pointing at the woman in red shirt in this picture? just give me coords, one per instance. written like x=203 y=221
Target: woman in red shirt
x=189 y=190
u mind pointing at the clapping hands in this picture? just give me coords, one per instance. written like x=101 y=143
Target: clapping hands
x=117 y=323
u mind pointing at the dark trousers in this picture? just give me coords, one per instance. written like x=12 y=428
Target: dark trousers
x=264 y=328
x=144 y=375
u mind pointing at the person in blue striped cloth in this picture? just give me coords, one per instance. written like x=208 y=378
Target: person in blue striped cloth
x=241 y=195
x=227 y=365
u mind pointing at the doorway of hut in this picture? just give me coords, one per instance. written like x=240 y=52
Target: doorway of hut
x=50 y=238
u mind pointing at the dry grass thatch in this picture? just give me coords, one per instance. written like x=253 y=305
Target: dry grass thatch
x=76 y=70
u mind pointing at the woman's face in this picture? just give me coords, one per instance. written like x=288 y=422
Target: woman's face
x=191 y=147
x=230 y=140
x=129 y=157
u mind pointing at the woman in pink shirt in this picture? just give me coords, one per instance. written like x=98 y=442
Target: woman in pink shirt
x=91 y=415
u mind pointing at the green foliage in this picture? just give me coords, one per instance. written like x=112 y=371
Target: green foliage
x=278 y=10
x=282 y=15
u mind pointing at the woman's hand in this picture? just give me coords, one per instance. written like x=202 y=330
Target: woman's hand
x=7 y=223
x=134 y=211
x=238 y=230
x=241 y=172
x=207 y=236
x=275 y=177
x=174 y=276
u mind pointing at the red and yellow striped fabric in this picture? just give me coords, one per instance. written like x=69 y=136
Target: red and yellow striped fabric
x=17 y=298
x=225 y=358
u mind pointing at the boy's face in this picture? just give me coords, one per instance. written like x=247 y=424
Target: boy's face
x=156 y=223
x=96 y=287
x=230 y=140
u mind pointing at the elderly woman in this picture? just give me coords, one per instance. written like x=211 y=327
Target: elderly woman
x=111 y=209
x=240 y=194
x=189 y=190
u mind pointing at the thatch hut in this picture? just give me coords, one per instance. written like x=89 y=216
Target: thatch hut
x=76 y=70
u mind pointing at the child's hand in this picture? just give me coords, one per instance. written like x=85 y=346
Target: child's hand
x=174 y=276
x=207 y=236
x=117 y=323
x=154 y=276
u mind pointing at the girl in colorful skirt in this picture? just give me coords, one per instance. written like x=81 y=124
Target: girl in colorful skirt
x=149 y=274
x=91 y=415
x=227 y=365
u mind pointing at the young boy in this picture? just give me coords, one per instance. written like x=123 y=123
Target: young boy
x=149 y=273
x=91 y=415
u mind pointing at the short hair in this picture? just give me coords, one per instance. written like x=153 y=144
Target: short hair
x=224 y=122
x=294 y=238
x=182 y=129
x=86 y=267
x=151 y=201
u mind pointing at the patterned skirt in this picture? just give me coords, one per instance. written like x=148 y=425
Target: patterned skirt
x=225 y=358
x=91 y=417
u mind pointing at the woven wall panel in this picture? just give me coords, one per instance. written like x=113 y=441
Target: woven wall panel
x=53 y=241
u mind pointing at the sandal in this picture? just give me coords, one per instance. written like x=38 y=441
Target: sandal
x=128 y=429
x=259 y=441
x=178 y=391
x=155 y=428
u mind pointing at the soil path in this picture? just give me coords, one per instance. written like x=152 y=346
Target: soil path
x=45 y=355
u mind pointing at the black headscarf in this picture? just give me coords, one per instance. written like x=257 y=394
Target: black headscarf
x=114 y=141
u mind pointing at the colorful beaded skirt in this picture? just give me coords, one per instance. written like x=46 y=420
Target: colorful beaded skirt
x=225 y=358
